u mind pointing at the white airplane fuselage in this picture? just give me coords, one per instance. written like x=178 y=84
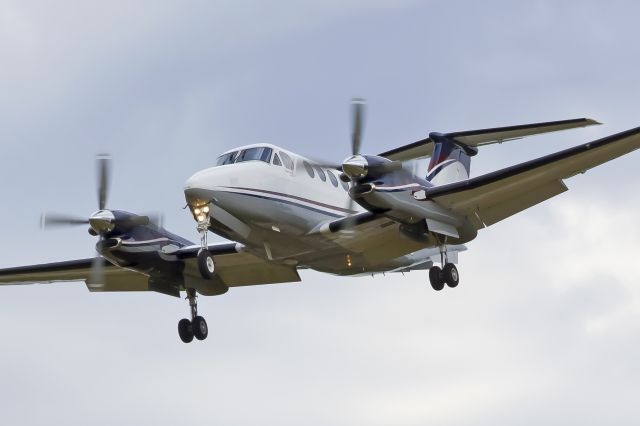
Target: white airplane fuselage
x=278 y=213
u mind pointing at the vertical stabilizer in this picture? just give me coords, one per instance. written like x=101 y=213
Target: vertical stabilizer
x=450 y=162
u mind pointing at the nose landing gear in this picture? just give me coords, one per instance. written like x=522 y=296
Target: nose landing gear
x=197 y=326
x=206 y=266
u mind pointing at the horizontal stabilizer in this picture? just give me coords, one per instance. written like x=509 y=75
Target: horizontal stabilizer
x=502 y=134
x=475 y=138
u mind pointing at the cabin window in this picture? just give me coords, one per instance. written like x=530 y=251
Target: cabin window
x=228 y=158
x=286 y=160
x=255 y=154
x=323 y=177
x=345 y=185
x=308 y=168
x=276 y=160
x=332 y=178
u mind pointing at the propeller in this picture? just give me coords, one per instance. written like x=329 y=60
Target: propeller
x=357 y=166
x=101 y=222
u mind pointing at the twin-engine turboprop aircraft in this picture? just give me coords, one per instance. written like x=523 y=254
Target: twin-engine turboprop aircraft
x=285 y=212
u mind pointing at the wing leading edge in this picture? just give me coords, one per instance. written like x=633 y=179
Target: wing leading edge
x=492 y=197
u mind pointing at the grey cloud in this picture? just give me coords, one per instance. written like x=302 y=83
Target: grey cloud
x=544 y=325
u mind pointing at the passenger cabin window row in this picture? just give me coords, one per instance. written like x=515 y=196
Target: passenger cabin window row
x=322 y=174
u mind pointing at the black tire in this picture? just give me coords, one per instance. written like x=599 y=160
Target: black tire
x=450 y=275
x=205 y=265
x=185 y=330
x=435 y=278
x=200 y=328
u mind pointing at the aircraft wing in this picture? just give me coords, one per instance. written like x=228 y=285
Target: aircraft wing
x=116 y=279
x=480 y=137
x=244 y=268
x=237 y=267
x=495 y=196
x=233 y=265
x=374 y=235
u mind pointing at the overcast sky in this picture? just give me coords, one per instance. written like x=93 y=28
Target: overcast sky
x=545 y=325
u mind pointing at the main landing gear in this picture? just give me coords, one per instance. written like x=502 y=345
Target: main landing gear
x=197 y=326
x=448 y=274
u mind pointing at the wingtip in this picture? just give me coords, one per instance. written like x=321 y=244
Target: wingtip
x=592 y=122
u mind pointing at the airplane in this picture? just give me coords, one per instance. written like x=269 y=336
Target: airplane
x=283 y=212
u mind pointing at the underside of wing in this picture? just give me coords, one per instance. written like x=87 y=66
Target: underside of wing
x=495 y=196
x=236 y=267
x=375 y=236
x=115 y=278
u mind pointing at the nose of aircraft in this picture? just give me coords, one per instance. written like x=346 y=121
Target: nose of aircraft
x=198 y=189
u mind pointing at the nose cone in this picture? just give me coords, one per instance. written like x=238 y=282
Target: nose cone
x=198 y=189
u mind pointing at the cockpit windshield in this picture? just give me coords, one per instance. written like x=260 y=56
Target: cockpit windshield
x=228 y=158
x=255 y=154
x=261 y=153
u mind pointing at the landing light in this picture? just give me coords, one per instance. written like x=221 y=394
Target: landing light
x=201 y=212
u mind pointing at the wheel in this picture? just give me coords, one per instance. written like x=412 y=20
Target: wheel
x=185 y=330
x=450 y=275
x=200 y=328
x=205 y=264
x=435 y=277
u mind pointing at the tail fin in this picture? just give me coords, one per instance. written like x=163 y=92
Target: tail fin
x=451 y=152
x=450 y=162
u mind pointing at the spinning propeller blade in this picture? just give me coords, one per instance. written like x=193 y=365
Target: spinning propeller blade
x=96 y=275
x=53 y=220
x=357 y=118
x=104 y=167
x=357 y=123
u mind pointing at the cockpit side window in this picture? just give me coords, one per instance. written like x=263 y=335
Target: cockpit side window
x=276 y=160
x=255 y=154
x=228 y=158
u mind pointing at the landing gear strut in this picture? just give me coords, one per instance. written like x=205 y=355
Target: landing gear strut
x=448 y=274
x=197 y=326
x=206 y=266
